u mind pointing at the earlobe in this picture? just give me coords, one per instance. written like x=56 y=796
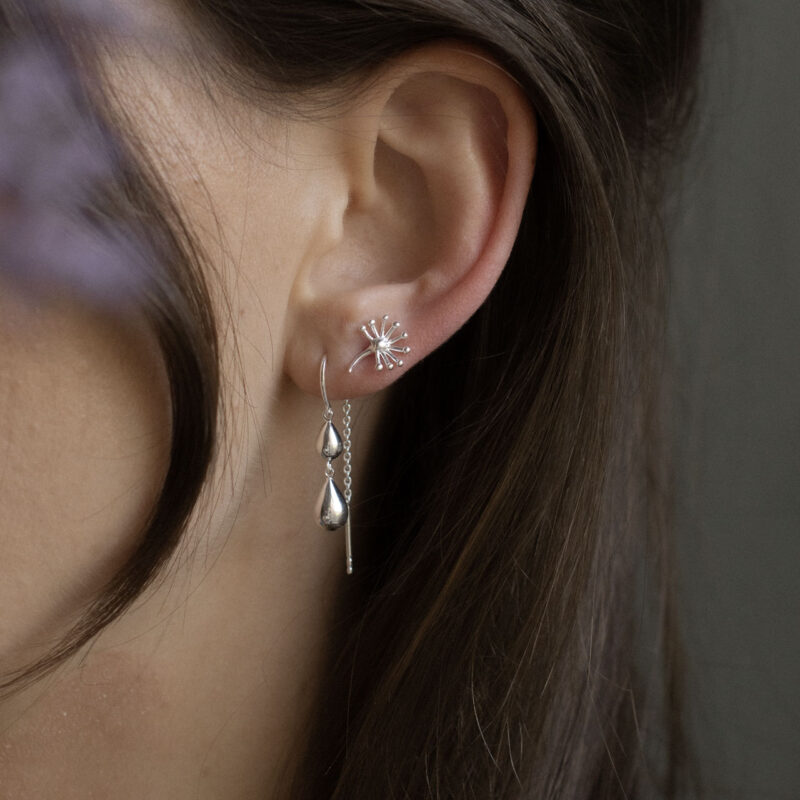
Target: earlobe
x=439 y=158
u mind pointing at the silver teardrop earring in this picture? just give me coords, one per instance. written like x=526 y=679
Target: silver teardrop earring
x=333 y=507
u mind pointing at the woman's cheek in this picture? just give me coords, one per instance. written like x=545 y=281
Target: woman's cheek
x=84 y=443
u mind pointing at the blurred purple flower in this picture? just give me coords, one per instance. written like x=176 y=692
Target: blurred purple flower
x=49 y=150
x=54 y=158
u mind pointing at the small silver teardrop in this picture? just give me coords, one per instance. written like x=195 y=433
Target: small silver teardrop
x=329 y=442
x=331 y=506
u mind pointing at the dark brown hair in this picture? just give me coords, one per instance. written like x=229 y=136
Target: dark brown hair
x=489 y=646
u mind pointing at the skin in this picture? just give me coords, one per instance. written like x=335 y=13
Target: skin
x=406 y=201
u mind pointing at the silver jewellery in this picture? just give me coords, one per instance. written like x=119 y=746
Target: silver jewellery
x=383 y=343
x=333 y=507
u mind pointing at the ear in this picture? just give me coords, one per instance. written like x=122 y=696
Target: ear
x=438 y=156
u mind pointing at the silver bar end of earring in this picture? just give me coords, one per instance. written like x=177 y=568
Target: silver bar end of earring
x=348 y=546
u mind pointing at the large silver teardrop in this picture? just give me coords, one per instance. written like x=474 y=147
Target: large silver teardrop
x=329 y=442
x=331 y=506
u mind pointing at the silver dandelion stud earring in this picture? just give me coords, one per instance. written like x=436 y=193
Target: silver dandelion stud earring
x=383 y=344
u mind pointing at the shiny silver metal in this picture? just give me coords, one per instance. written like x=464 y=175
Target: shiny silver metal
x=331 y=508
x=329 y=443
x=323 y=388
x=348 y=485
x=383 y=344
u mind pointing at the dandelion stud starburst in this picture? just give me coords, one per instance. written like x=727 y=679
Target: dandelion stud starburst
x=386 y=344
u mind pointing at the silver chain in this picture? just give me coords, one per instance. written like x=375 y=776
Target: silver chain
x=346 y=458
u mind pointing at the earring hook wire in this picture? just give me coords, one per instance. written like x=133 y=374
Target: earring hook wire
x=323 y=387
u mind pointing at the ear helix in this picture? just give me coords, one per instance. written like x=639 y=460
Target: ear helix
x=333 y=505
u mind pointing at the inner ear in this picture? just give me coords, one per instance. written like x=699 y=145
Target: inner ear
x=403 y=189
x=454 y=132
x=436 y=102
x=438 y=166
x=428 y=163
x=390 y=237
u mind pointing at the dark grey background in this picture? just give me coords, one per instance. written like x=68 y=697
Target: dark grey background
x=736 y=350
